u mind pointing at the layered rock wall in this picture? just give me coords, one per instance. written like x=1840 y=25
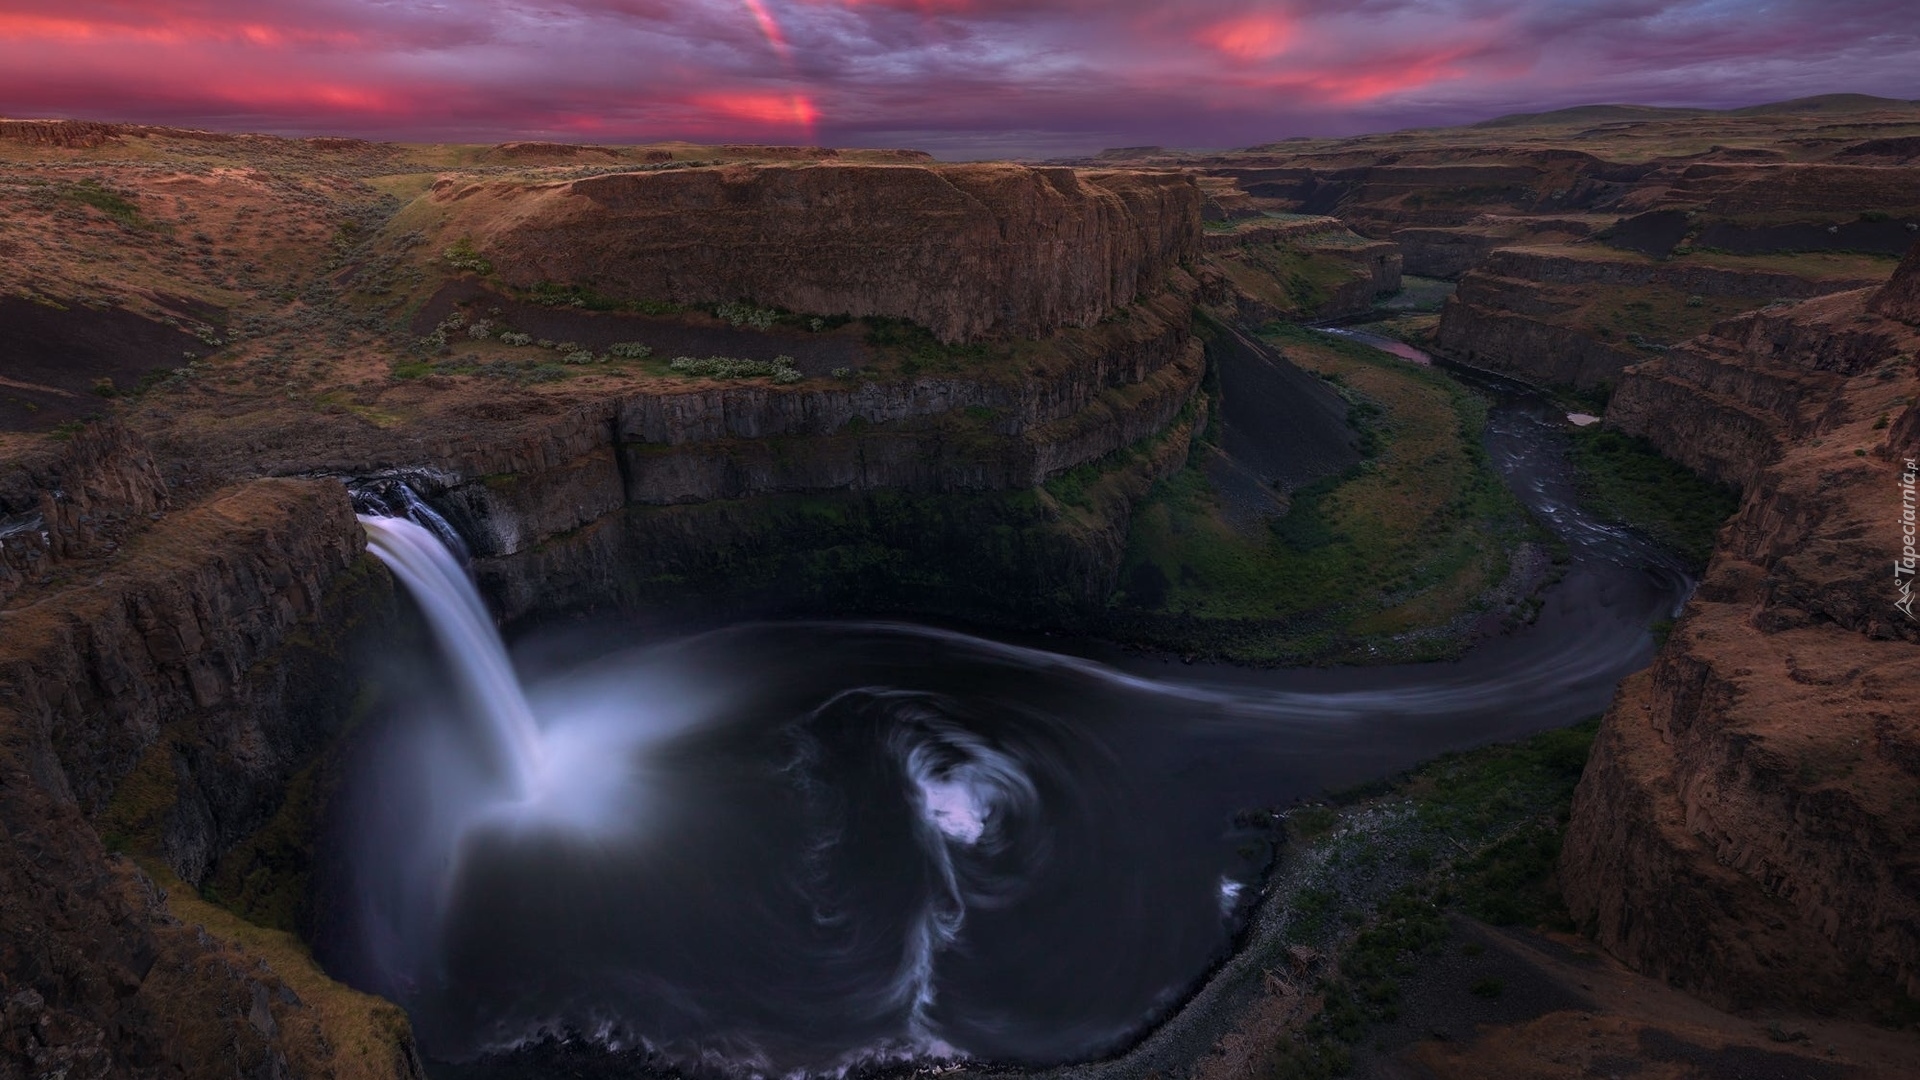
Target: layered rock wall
x=1725 y=403
x=1744 y=828
x=162 y=674
x=1519 y=311
x=969 y=251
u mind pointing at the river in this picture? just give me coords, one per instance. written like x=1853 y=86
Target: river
x=813 y=847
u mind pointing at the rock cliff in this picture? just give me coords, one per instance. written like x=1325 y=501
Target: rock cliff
x=969 y=251
x=163 y=672
x=1745 y=826
x=1549 y=317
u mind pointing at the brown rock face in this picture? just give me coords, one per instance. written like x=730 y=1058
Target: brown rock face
x=160 y=680
x=1724 y=404
x=1745 y=826
x=1899 y=298
x=968 y=251
x=1520 y=311
x=67 y=134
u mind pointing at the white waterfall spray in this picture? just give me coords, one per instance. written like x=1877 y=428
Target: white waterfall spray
x=466 y=635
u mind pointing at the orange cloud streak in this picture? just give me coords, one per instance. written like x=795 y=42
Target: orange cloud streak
x=780 y=109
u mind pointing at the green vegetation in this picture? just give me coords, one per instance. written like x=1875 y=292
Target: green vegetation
x=913 y=349
x=1624 y=480
x=780 y=368
x=1295 y=280
x=462 y=256
x=1651 y=317
x=1363 y=564
x=1513 y=800
x=746 y=315
x=107 y=201
x=1497 y=814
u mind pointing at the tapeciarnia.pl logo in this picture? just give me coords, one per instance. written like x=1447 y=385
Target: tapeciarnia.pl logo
x=1903 y=567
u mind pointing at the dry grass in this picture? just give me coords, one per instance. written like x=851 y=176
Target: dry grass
x=365 y=1035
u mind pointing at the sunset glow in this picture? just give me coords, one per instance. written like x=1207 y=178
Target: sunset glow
x=1255 y=37
x=960 y=77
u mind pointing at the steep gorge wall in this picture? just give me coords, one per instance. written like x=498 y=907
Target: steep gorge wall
x=1519 y=311
x=548 y=487
x=605 y=466
x=1744 y=828
x=1725 y=404
x=969 y=251
x=163 y=672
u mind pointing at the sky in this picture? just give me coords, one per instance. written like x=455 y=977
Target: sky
x=962 y=78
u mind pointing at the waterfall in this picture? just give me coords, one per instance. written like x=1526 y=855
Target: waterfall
x=466 y=635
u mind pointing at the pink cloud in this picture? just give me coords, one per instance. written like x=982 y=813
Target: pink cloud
x=959 y=76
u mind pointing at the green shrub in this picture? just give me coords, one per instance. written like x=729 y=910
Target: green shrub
x=107 y=201
x=630 y=350
x=577 y=356
x=461 y=256
x=514 y=337
x=1624 y=479
x=780 y=368
x=746 y=315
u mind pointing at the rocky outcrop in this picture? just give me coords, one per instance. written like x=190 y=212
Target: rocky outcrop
x=969 y=251
x=1311 y=268
x=991 y=556
x=611 y=462
x=1508 y=325
x=1744 y=828
x=71 y=500
x=1444 y=253
x=1546 y=267
x=1790 y=188
x=1261 y=230
x=66 y=134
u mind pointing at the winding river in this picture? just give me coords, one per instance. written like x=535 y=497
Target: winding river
x=805 y=848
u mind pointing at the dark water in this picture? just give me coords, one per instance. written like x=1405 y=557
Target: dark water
x=803 y=847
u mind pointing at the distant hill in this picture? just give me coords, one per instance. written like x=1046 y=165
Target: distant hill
x=1607 y=114
x=1589 y=114
x=1824 y=103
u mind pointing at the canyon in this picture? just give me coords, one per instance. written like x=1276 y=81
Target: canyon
x=994 y=365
